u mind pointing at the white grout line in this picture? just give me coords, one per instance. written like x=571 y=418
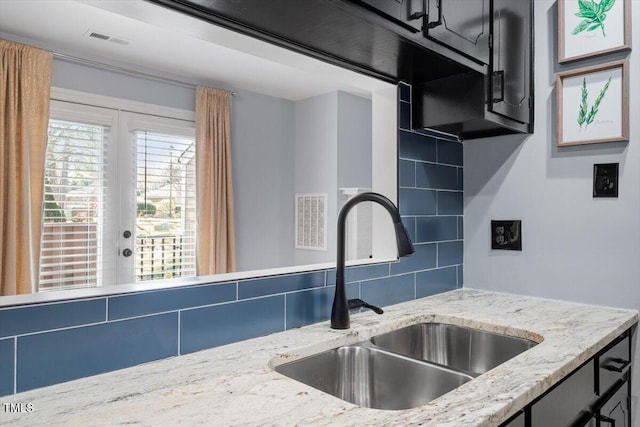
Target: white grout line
x=15 y=365
x=285 y=312
x=179 y=320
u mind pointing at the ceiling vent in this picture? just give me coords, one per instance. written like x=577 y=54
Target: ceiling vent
x=106 y=37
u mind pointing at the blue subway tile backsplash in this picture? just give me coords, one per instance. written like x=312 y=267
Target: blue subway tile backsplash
x=389 y=290
x=449 y=203
x=415 y=201
x=307 y=307
x=436 y=228
x=449 y=253
x=278 y=284
x=431 y=175
x=407 y=174
x=132 y=305
x=413 y=146
x=7 y=360
x=208 y=327
x=435 y=281
x=449 y=152
x=42 y=317
x=405 y=115
x=56 y=342
x=423 y=259
x=63 y=355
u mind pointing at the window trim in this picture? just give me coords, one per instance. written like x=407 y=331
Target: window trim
x=122 y=104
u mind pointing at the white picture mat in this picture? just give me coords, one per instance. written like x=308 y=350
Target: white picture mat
x=587 y=42
x=608 y=121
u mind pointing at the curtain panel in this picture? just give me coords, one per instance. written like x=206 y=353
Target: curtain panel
x=25 y=80
x=214 y=194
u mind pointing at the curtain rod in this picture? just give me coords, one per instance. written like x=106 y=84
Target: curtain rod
x=126 y=70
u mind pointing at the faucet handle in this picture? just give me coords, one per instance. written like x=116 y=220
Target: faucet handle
x=358 y=303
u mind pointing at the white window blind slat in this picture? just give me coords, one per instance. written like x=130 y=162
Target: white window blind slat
x=165 y=196
x=75 y=183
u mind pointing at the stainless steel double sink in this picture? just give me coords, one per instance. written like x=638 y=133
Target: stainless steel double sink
x=407 y=367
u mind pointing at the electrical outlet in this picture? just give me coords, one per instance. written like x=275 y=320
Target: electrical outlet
x=605 y=180
x=506 y=235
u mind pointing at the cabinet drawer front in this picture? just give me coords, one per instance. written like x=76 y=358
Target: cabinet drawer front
x=613 y=363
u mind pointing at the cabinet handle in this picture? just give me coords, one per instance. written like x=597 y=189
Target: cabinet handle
x=439 y=21
x=417 y=15
x=605 y=419
x=610 y=367
x=497 y=81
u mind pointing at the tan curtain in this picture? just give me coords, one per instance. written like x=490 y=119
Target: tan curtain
x=25 y=80
x=216 y=240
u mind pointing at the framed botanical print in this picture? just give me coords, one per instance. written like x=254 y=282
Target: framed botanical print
x=593 y=104
x=592 y=27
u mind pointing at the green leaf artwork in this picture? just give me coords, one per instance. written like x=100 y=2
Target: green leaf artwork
x=586 y=116
x=593 y=15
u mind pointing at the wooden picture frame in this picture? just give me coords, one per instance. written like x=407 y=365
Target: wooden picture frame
x=593 y=104
x=584 y=32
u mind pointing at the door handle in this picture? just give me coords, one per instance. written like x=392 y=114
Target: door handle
x=439 y=21
x=127 y=253
x=497 y=82
x=417 y=15
x=609 y=365
x=605 y=419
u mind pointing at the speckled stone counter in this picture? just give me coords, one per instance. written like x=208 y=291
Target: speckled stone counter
x=236 y=384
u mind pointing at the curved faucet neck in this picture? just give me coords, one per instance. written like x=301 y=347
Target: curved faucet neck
x=340 y=310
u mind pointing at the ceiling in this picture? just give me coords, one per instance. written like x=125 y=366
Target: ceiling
x=172 y=45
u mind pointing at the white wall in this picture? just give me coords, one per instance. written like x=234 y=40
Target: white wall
x=316 y=141
x=262 y=154
x=574 y=247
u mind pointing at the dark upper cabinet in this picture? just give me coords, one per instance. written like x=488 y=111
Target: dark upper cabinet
x=495 y=102
x=510 y=67
x=462 y=25
x=469 y=61
x=408 y=13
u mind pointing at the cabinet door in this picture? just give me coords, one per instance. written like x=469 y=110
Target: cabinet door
x=560 y=406
x=409 y=13
x=510 y=68
x=517 y=420
x=462 y=25
x=616 y=413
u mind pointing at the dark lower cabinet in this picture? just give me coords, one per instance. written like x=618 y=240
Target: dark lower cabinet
x=597 y=394
x=560 y=406
x=616 y=412
x=517 y=420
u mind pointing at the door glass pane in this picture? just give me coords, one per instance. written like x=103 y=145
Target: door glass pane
x=165 y=212
x=74 y=205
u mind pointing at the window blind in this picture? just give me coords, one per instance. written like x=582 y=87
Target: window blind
x=166 y=206
x=74 y=205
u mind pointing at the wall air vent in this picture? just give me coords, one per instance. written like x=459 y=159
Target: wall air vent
x=106 y=37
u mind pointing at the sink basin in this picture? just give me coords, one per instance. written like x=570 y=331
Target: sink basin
x=374 y=378
x=463 y=349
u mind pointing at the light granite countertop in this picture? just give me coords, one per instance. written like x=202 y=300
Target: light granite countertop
x=236 y=384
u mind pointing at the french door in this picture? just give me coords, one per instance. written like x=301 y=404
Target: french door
x=119 y=204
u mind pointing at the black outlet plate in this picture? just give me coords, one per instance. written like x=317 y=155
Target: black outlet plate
x=506 y=235
x=605 y=180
